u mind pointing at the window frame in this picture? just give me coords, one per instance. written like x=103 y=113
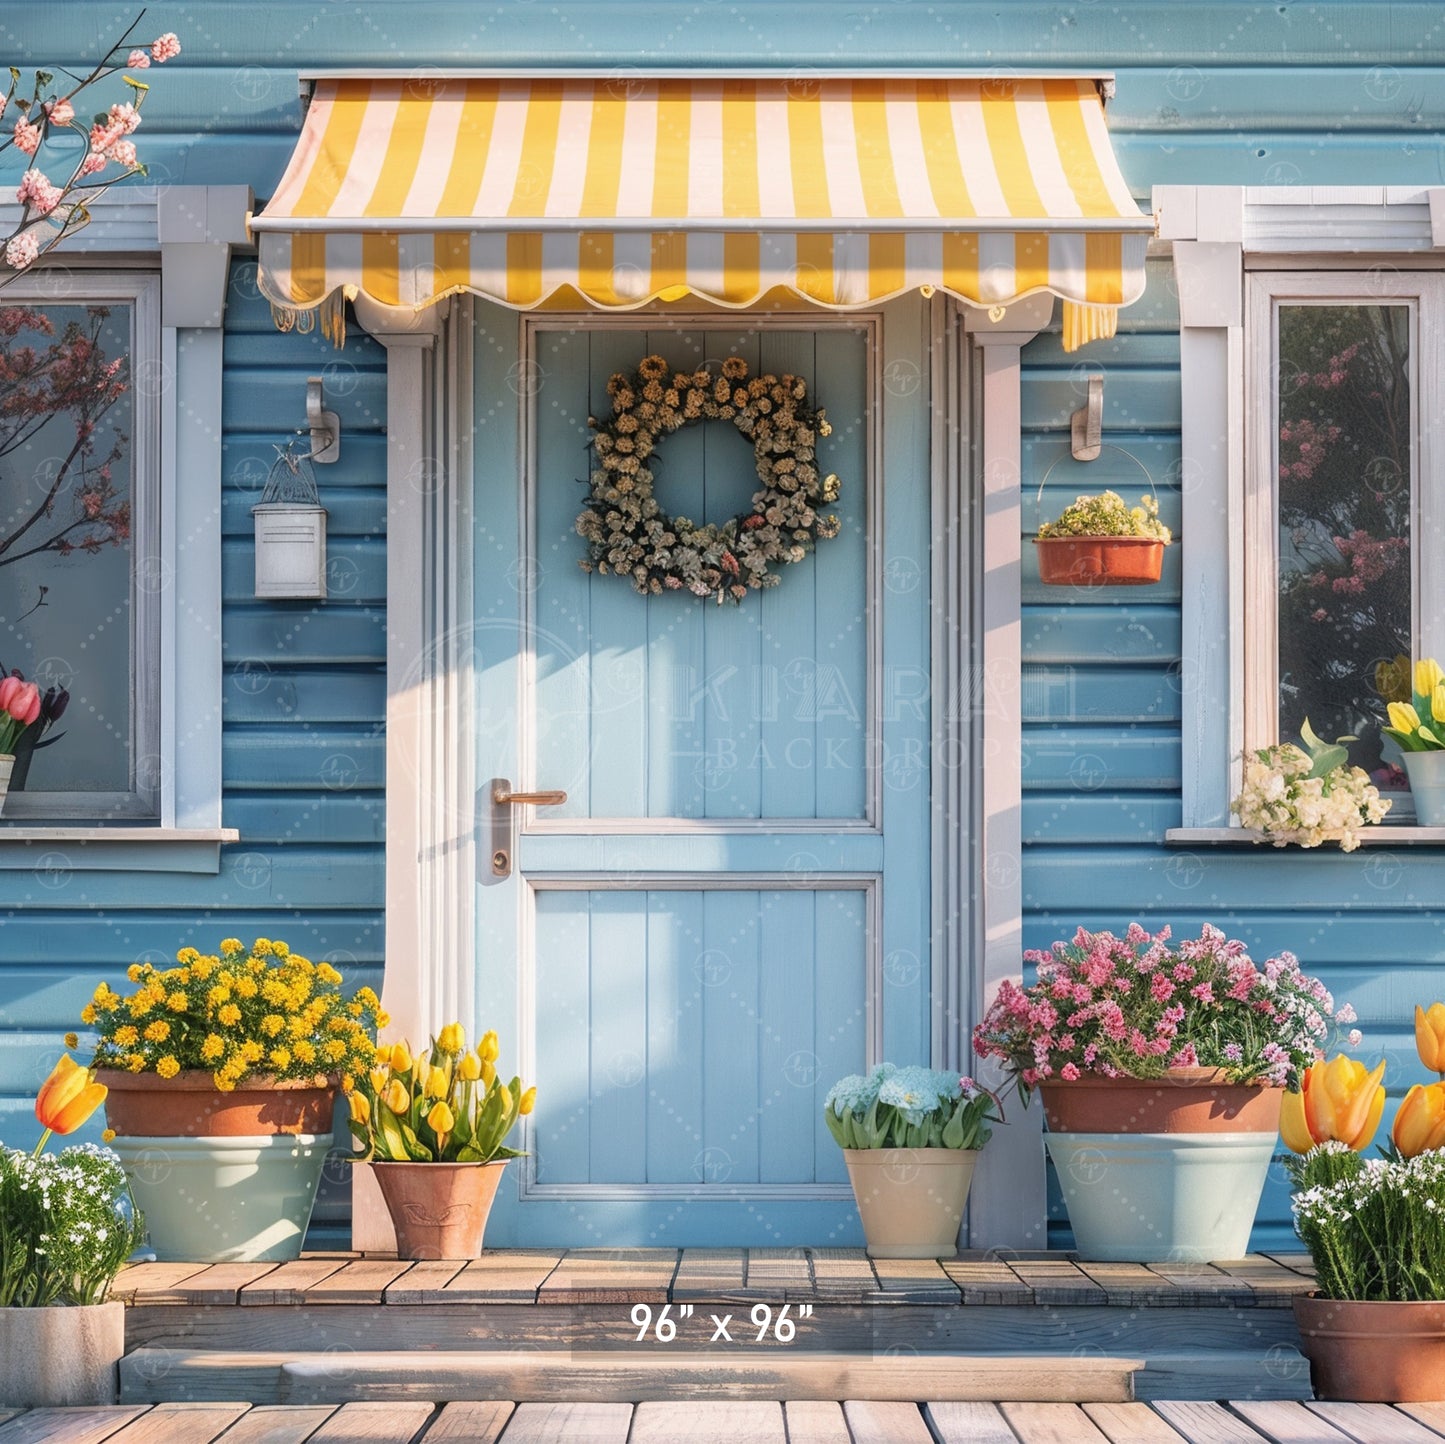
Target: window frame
x=1371 y=241
x=142 y=800
x=1265 y=291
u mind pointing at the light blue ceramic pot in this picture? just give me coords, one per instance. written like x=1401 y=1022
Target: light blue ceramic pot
x=225 y=1200
x=1427 y=785
x=1152 y=1197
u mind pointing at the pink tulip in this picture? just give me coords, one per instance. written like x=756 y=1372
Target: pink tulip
x=25 y=707
x=8 y=688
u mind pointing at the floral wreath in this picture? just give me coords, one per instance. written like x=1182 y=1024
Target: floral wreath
x=628 y=533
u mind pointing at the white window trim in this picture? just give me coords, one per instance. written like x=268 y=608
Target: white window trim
x=1218 y=234
x=185 y=234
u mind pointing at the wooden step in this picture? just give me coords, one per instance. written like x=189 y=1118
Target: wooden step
x=165 y=1375
x=1278 y=1372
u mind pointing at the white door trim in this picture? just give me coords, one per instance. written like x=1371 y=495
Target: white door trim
x=431 y=801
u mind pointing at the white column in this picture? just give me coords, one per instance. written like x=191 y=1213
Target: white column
x=1007 y=1205
x=430 y=871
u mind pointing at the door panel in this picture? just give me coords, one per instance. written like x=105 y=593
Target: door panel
x=732 y=909
x=664 y=707
x=688 y=1028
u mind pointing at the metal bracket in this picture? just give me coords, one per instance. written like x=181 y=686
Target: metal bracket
x=325 y=425
x=1086 y=424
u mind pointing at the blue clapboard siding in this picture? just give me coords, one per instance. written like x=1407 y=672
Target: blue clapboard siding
x=303 y=706
x=1324 y=93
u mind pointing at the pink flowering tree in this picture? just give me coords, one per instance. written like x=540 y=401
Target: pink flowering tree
x=68 y=380
x=1344 y=516
x=55 y=201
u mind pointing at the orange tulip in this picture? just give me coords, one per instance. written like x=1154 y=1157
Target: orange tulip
x=1420 y=1123
x=68 y=1097
x=1430 y=1036
x=1338 y=1100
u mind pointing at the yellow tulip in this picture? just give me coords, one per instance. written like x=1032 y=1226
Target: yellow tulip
x=1338 y=1100
x=469 y=1067
x=1430 y=1036
x=489 y=1049
x=380 y=1077
x=452 y=1039
x=1292 y=1126
x=441 y=1119
x=489 y=1074
x=1403 y=717
x=1437 y=703
x=1428 y=676
x=529 y=1101
x=1420 y=1123
x=68 y=1097
x=438 y=1081
x=396 y=1097
x=400 y=1057
x=360 y=1108
x=1392 y=679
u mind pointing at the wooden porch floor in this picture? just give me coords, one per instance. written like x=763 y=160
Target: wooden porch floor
x=854 y=1422
x=818 y=1276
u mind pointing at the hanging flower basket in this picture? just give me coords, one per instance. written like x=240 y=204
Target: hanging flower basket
x=1099 y=561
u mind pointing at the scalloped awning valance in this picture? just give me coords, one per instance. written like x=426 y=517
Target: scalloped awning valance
x=844 y=191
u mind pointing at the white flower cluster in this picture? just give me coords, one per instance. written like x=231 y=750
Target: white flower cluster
x=67 y=1224
x=1283 y=802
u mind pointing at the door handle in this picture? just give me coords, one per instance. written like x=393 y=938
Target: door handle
x=504 y=819
x=502 y=796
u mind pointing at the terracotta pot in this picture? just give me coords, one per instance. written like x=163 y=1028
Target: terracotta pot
x=911 y=1199
x=1099 y=561
x=1385 y=1353
x=60 y=1357
x=439 y=1210
x=142 y=1105
x=1184 y=1100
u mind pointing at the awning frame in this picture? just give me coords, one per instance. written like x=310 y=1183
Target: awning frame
x=709 y=225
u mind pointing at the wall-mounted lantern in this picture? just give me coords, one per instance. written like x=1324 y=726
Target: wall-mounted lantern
x=290 y=520
x=290 y=530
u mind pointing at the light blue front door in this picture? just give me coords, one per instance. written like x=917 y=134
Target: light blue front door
x=731 y=910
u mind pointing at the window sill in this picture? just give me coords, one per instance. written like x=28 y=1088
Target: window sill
x=57 y=850
x=1376 y=836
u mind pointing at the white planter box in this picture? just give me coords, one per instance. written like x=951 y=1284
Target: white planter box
x=290 y=550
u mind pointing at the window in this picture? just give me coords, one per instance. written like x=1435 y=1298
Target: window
x=1312 y=474
x=1337 y=503
x=79 y=540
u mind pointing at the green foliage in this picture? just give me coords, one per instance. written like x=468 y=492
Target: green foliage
x=67 y=1225
x=909 y=1108
x=1375 y=1228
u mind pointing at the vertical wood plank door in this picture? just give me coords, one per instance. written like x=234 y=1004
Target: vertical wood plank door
x=731 y=909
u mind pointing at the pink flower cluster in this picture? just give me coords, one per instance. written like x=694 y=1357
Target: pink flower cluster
x=19 y=707
x=1134 y=1007
x=37 y=191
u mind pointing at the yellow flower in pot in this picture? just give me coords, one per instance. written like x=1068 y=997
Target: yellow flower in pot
x=434 y=1127
x=1101 y=541
x=230 y=1063
x=1374 y=1329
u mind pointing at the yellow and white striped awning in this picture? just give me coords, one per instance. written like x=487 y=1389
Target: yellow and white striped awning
x=845 y=191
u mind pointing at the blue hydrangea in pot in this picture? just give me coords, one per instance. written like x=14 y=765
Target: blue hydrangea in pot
x=910 y=1138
